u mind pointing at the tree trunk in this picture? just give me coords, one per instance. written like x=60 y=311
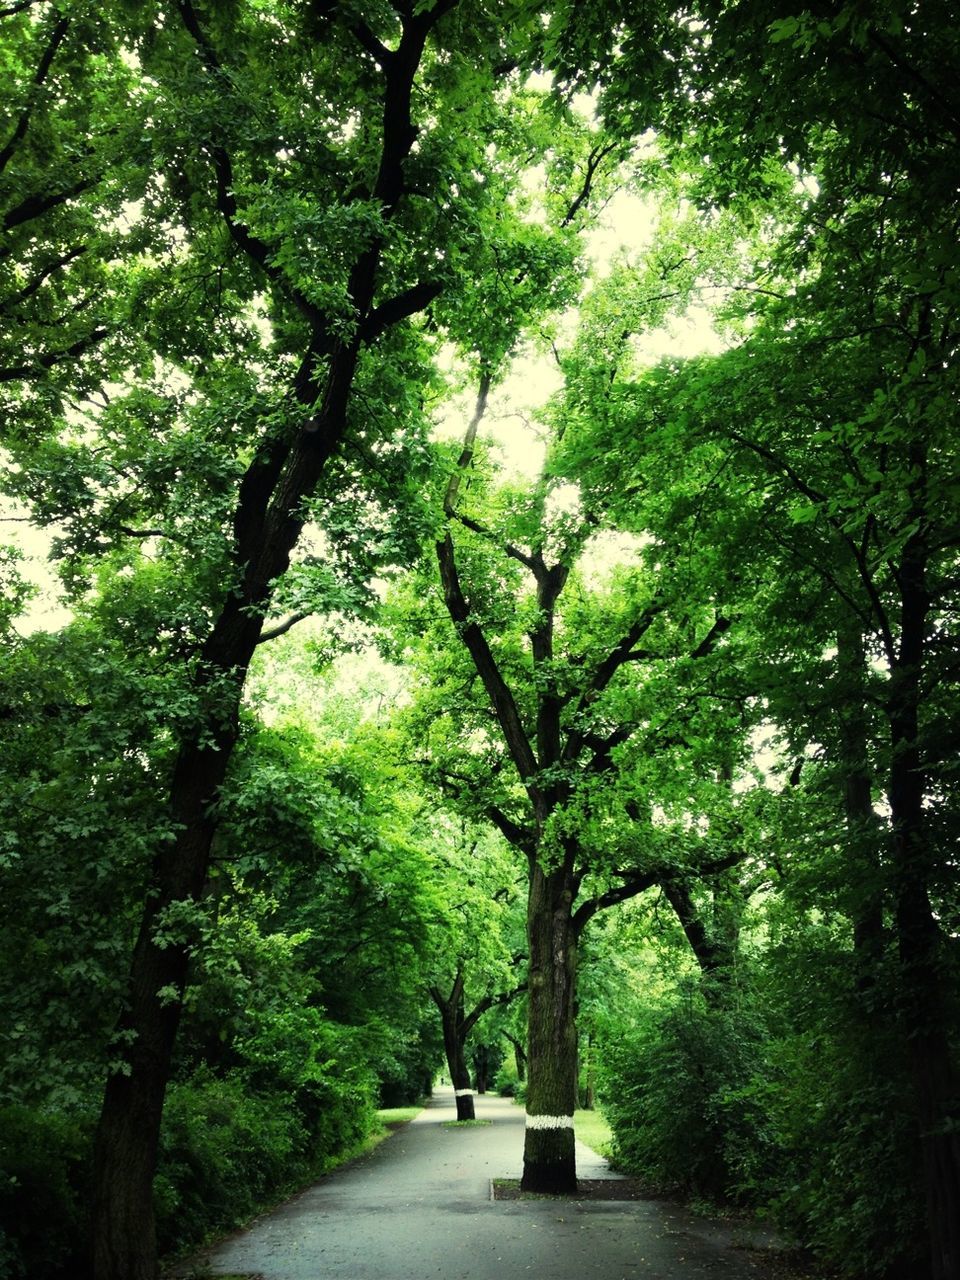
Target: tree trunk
x=863 y=830
x=519 y=1055
x=589 y=1099
x=454 y=1042
x=481 y=1068
x=127 y=1137
x=549 y=1160
x=920 y=945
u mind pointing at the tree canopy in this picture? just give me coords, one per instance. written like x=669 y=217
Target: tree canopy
x=361 y=740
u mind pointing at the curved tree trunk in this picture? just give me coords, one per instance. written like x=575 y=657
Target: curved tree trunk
x=127 y=1136
x=549 y=1160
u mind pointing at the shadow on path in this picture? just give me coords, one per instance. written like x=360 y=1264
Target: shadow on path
x=419 y=1206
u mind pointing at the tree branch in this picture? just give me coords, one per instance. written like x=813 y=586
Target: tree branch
x=501 y=697
x=373 y=45
x=399 y=308
x=283 y=626
x=594 y=160
x=50 y=52
x=519 y=836
x=469 y=441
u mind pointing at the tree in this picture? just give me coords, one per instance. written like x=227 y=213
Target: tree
x=474 y=936
x=860 y=386
x=536 y=738
x=316 y=293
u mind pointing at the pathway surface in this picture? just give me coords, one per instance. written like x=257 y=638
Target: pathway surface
x=419 y=1206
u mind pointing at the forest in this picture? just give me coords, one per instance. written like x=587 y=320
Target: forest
x=480 y=554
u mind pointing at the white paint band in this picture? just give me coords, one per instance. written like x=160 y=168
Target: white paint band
x=549 y=1122
x=463 y=1093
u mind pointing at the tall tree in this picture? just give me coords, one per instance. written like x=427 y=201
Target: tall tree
x=317 y=177
x=857 y=365
x=539 y=742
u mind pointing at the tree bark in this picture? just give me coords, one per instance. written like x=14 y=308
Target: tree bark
x=454 y=1041
x=519 y=1055
x=549 y=1159
x=919 y=941
x=863 y=833
x=127 y=1136
x=481 y=1068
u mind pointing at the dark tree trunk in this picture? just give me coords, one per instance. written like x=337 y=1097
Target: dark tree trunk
x=549 y=1160
x=454 y=1045
x=863 y=833
x=919 y=940
x=127 y=1137
x=519 y=1055
x=713 y=953
x=481 y=1068
x=589 y=1096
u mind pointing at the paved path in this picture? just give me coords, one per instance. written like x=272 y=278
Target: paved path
x=419 y=1206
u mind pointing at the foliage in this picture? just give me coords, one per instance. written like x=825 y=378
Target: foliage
x=678 y=1092
x=43 y=1188
x=708 y=656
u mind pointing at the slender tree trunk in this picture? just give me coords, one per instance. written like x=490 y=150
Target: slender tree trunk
x=863 y=833
x=549 y=1160
x=589 y=1090
x=481 y=1068
x=128 y=1131
x=454 y=1042
x=519 y=1055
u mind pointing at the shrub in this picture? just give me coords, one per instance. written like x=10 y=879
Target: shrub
x=44 y=1180
x=677 y=1094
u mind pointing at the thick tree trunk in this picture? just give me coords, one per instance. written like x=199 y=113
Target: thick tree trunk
x=920 y=945
x=549 y=1161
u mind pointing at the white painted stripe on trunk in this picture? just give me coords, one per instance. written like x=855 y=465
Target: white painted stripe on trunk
x=463 y=1093
x=549 y=1122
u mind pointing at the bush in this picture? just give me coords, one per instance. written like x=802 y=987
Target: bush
x=44 y=1181
x=232 y=1142
x=223 y=1149
x=678 y=1094
x=845 y=1116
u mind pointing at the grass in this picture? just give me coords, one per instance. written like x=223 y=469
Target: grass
x=391 y=1117
x=594 y=1132
x=388 y=1120
x=464 y=1124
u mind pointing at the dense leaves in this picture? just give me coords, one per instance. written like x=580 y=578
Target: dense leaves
x=690 y=683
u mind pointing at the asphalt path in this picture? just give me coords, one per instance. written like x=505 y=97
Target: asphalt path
x=420 y=1206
